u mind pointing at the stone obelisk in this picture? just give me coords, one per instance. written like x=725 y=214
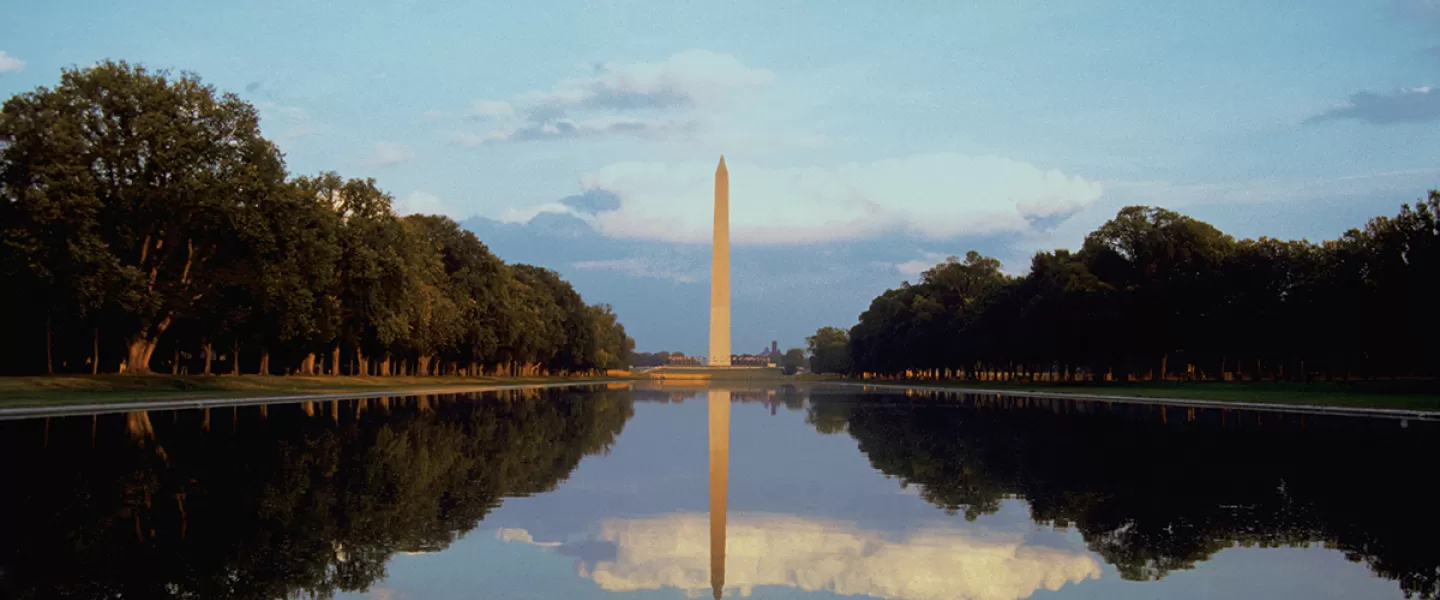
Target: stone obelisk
x=719 y=484
x=720 y=272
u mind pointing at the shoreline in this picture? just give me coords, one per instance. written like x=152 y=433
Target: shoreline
x=1319 y=409
x=72 y=409
x=67 y=390
x=31 y=397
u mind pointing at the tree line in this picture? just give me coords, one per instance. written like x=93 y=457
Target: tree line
x=655 y=359
x=1154 y=294
x=286 y=501
x=146 y=224
x=1212 y=481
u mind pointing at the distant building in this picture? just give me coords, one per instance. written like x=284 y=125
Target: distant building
x=750 y=360
x=683 y=361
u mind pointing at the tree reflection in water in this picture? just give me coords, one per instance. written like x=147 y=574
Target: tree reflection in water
x=278 y=501
x=1156 y=490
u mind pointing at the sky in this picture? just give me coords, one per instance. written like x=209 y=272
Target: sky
x=865 y=141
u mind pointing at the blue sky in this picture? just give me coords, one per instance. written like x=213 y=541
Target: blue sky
x=865 y=140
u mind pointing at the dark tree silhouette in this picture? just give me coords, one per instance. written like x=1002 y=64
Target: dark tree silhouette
x=145 y=224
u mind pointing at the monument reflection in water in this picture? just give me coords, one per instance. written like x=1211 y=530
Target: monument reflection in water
x=450 y=496
x=718 y=409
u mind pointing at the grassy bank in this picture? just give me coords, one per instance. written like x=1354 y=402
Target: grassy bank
x=62 y=390
x=1419 y=395
x=88 y=389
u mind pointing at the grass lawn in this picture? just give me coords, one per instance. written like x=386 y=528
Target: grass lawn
x=1419 y=395
x=98 y=389
x=95 y=389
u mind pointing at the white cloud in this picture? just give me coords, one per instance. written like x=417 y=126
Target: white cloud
x=492 y=109
x=523 y=215
x=570 y=129
x=618 y=99
x=690 y=78
x=1269 y=190
x=823 y=555
x=1184 y=197
x=388 y=154
x=912 y=269
x=295 y=120
x=10 y=63
x=641 y=267
x=425 y=203
x=933 y=196
x=1402 y=106
x=507 y=534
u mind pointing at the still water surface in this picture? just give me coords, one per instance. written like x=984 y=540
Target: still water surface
x=669 y=492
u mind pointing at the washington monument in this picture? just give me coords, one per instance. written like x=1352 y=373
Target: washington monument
x=720 y=272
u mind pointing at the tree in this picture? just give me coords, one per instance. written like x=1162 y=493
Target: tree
x=371 y=282
x=829 y=350
x=1155 y=294
x=294 y=274
x=165 y=177
x=477 y=284
x=148 y=207
x=435 y=307
x=613 y=348
x=1166 y=267
x=653 y=359
x=540 y=313
x=792 y=360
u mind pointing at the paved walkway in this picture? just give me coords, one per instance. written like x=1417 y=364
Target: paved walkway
x=1347 y=411
x=29 y=412
x=119 y=407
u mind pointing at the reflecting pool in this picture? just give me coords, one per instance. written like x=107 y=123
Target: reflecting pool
x=669 y=491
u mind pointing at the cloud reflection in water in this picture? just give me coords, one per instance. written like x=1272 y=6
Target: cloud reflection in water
x=822 y=555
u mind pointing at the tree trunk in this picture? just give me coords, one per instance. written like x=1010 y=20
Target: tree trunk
x=265 y=362
x=49 y=358
x=385 y=366
x=1164 y=367
x=363 y=367
x=95 y=354
x=175 y=362
x=137 y=355
x=307 y=366
x=209 y=355
x=423 y=365
x=335 y=361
